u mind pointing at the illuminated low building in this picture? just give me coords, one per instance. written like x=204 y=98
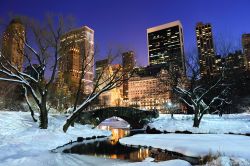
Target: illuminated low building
x=112 y=97
x=148 y=93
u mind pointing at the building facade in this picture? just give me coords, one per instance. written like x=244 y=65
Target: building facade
x=232 y=62
x=246 y=48
x=12 y=52
x=166 y=45
x=99 y=67
x=112 y=97
x=77 y=55
x=128 y=64
x=13 y=45
x=206 y=52
x=148 y=92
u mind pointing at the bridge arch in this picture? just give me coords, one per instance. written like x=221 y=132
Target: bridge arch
x=135 y=117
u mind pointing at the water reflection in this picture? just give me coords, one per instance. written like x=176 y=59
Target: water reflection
x=112 y=149
x=108 y=149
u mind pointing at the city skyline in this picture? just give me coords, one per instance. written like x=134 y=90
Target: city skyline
x=127 y=27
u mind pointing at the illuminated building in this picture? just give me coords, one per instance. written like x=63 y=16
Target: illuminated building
x=100 y=65
x=12 y=43
x=104 y=70
x=166 y=46
x=246 y=48
x=128 y=64
x=148 y=92
x=12 y=51
x=77 y=51
x=205 y=46
x=233 y=61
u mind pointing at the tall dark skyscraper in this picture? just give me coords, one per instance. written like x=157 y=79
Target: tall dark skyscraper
x=246 y=48
x=128 y=64
x=166 y=45
x=204 y=38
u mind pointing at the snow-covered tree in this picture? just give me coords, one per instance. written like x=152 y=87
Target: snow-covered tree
x=201 y=98
x=40 y=48
x=103 y=83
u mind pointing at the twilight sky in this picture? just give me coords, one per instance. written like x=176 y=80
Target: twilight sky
x=123 y=23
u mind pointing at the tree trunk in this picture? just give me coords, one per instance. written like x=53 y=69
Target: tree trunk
x=73 y=117
x=32 y=113
x=43 y=114
x=196 y=120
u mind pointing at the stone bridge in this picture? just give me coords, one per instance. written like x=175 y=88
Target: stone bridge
x=135 y=117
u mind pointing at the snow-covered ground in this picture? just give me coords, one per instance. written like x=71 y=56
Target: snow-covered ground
x=195 y=145
x=228 y=161
x=213 y=124
x=23 y=143
x=164 y=163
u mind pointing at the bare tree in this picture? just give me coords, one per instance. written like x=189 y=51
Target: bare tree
x=39 y=46
x=197 y=96
x=103 y=83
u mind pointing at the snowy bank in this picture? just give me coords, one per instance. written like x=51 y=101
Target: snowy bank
x=195 y=145
x=163 y=163
x=229 y=161
x=212 y=124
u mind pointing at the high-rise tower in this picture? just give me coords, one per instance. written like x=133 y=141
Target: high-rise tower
x=77 y=51
x=13 y=43
x=206 y=53
x=166 y=46
x=128 y=64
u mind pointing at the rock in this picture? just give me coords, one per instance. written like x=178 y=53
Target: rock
x=80 y=139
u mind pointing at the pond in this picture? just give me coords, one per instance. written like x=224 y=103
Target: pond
x=111 y=148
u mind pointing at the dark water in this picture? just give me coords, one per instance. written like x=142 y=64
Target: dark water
x=111 y=148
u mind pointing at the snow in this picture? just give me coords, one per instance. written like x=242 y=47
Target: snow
x=195 y=145
x=213 y=124
x=229 y=161
x=23 y=143
x=114 y=122
x=164 y=163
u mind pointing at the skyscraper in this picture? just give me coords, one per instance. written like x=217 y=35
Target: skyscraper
x=246 y=48
x=77 y=51
x=166 y=46
x=128 y=64
x=12 y=43
x=206 y=54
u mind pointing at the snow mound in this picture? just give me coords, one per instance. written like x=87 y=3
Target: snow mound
x=195 y=145
x=212 y=124
x=227 y=161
